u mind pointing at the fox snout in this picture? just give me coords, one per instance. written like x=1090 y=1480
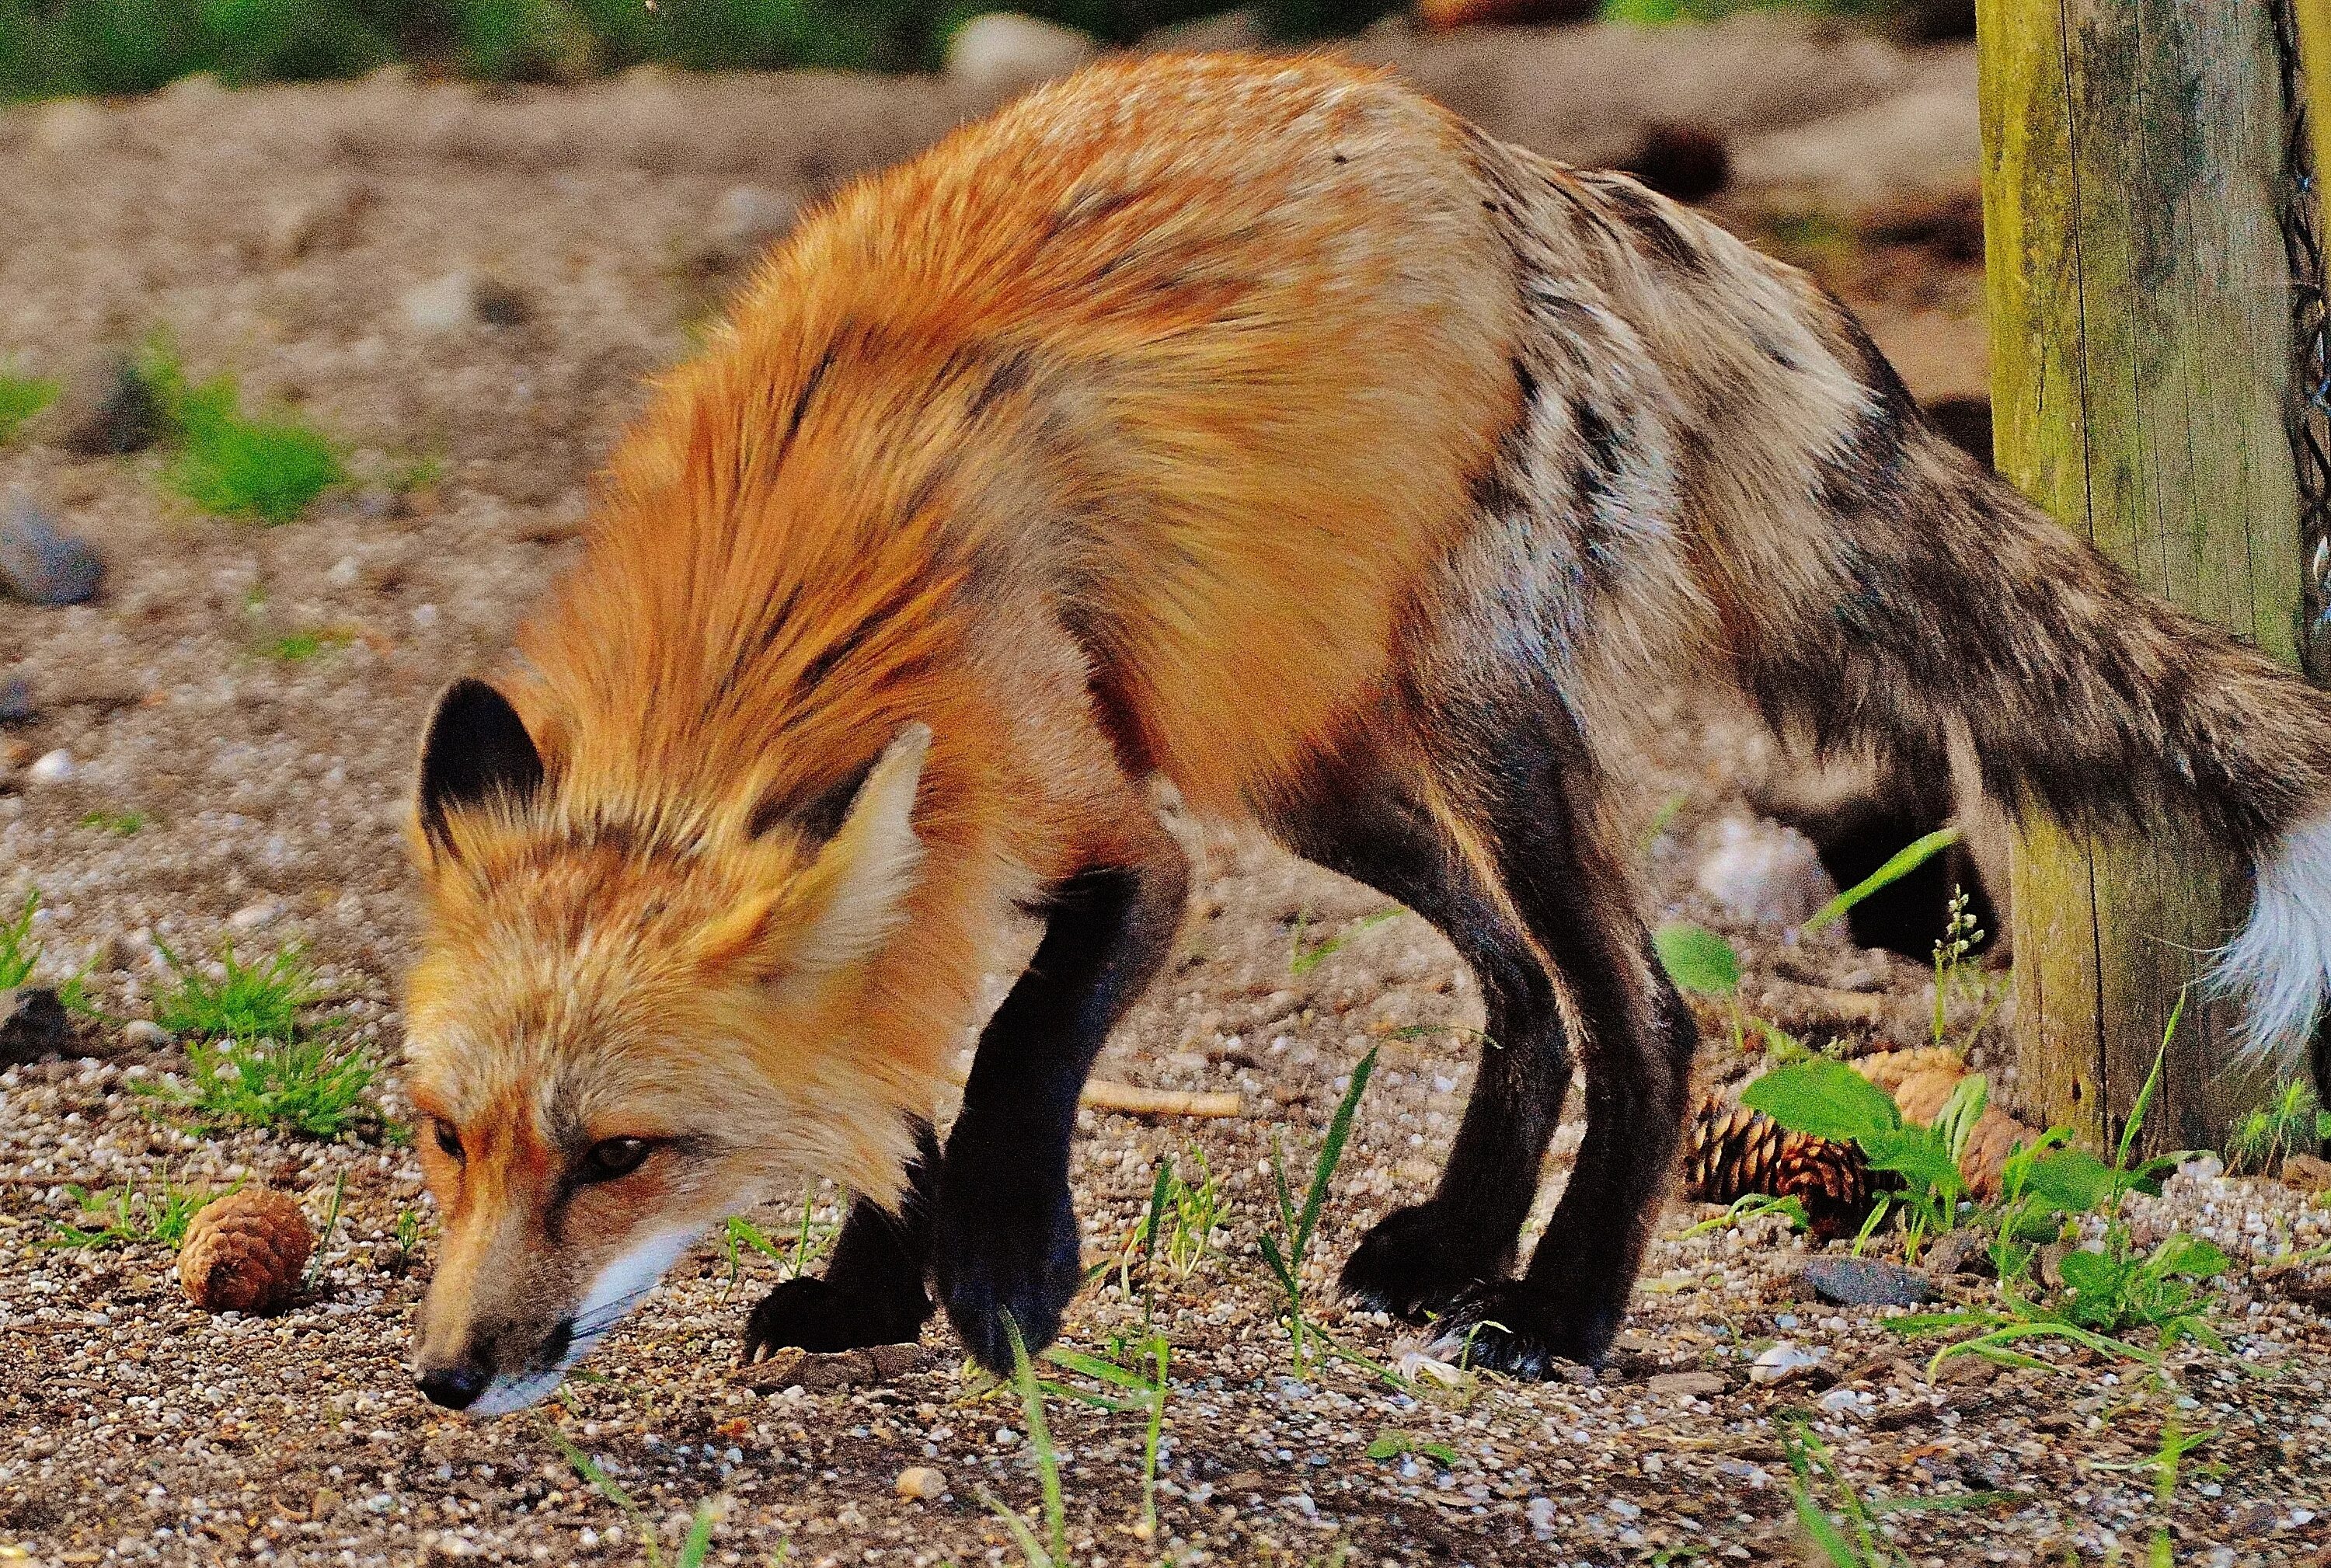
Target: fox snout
x=459 y=1375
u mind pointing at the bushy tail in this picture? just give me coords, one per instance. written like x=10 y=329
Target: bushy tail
x=1942 y=608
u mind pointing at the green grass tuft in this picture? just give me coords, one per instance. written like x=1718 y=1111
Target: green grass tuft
x=121 y=825
x=267 y=469
x=244 y=1002
x=298 y=647
x=156 y=1214
x=20 y=955
x=21 y=397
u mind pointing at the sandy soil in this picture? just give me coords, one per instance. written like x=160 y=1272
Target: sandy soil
x=278 y=235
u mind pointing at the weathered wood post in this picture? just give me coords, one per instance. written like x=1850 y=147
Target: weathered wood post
x=2142 y=355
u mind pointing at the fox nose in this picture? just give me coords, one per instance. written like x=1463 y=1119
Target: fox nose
x=456 y=1386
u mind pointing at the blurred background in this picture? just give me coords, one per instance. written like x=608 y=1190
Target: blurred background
x=54 y=47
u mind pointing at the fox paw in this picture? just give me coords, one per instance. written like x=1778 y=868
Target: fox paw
x=1409 y=1267
x=1508 y=1328
x=992 y=1266
x=818 y=1315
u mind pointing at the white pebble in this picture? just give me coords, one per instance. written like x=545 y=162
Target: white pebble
x=53 y=767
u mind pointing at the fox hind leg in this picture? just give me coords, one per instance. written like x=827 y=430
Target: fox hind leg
x=1362 y=814
x=1530 y=790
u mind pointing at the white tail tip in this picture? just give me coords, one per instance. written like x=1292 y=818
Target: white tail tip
x=2280 y=964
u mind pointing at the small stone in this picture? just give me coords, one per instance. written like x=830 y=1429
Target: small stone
x=40 y=563
x=922 y=1483
x=52 y=767
x=1838 y=1401
x=1781 y=1362
x=1966 y=1371
x=16 y=704
x=1002 y=52
x=500 y=303
x=1866 y=1282
x=1687 y=1384
x=345 y=572
x=2202 y=1167
x=445 y=303
x=147 y=1035
x=893 y=1361
x=105 y=407
x=251 y=917
x=33 y=1024
x=1965 y=1251
x=818 y=1372
x=1762 y=872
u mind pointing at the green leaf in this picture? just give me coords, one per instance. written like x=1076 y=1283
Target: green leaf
x=2073 y=1182
x=2196 y=1255
x=1698 y=959
x=2092 y=1275
x=1916 y=1153
x=1902 y=864
x=1825 y=1099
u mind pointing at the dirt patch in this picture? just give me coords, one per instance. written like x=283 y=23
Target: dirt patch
x=294 y=236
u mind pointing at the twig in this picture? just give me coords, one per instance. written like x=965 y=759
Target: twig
x=1133 y=1099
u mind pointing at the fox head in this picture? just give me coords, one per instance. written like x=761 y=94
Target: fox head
x=625 y=1025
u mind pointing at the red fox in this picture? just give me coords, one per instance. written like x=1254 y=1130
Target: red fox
x=1260 y=426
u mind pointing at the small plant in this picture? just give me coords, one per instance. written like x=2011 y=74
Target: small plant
x=1392 y=1445
x=1898 y=865
x=1301 y=960
x=156 y=1214
x=1702 y=963
x=809 y=1243
x=1284 y=1254
x=692 y=1549
x=313 y=1088
x=269 y=469
x=1149 y=1389
x=20 y=955
x=121 y=825
x=1750 y=1207
x=2292 y=1122
x=298 y=647
x=2168 y=1457
x=1053 y=1551
x=324 y=1236
x=1953 y=975
x=1808 y=1457
x=21 y=397
x=1180 y=1224
x=1830 y=1100
x=243 y=1002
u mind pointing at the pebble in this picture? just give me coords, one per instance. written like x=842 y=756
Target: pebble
x=52 y=767
x=1687 y=1384
x=922 y=1483
x=1866 y=1282
x=456 y=301
x=105 y=407
x=1781 y=1362
x=16 y=704
x=251 y=917
x=33 y=1024
x=1004 y=53
x=746 y=221
x=145 y=1034
x=40 y=563
x=1760 y=870
x=327 y=222
x=72 y=127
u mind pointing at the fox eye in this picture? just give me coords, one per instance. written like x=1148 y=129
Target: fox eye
x=449 y=1138
x=610 y=1158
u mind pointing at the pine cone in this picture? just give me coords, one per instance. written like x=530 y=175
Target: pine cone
x=245 y=1252
x=1887 y=1069
x=1923 y=1095
x=1732 y=1151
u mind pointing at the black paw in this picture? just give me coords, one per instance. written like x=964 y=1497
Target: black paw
x=1510 y=1327
x=817 y=1315
x=1409 y=1266
x=991 y=1261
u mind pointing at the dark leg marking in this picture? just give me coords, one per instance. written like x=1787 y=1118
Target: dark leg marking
x=1005 y=1236
x=873 y=1290
x=1362 y=817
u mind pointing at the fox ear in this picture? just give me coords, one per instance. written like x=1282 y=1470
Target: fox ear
x=476 y=748
x=867 y=868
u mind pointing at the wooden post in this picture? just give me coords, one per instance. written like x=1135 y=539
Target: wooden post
x=2141 y=359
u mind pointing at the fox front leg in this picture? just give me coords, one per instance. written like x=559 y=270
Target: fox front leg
x=1004 y=1233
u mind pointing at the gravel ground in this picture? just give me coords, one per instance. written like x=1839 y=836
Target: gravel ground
x=281 y=235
